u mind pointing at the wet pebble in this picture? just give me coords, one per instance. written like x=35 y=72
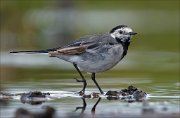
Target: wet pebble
x=95 y=95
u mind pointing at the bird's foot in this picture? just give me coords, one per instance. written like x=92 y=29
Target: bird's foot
x=82 y=92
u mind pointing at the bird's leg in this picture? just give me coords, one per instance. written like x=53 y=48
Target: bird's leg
x=94 y=79
x=83 y=79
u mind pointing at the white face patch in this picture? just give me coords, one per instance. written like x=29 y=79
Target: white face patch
x=127 y=29
x=113 y=35
x=121 y=33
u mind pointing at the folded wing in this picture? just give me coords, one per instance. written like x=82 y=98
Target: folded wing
x=75 y=50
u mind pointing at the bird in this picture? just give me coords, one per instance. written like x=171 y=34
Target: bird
x=93 y=53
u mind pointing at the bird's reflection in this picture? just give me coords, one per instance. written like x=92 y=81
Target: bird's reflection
x=83 y=108
x=94 y=107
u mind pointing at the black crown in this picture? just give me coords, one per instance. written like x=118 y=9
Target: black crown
x=117 y=27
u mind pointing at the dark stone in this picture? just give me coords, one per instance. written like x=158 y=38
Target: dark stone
x=132 y=88
x=36 y=94
x=112 y=93
x=30 y=97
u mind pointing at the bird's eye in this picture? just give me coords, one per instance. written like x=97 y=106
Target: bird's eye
x=120 y=32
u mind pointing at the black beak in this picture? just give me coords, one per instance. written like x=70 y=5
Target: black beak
x=132 y=33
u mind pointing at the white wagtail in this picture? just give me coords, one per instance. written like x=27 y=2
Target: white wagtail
x=93 y=53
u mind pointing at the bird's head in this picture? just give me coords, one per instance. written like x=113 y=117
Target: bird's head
x=122 y=33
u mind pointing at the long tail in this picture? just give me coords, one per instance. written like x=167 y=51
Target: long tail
x=36 y=51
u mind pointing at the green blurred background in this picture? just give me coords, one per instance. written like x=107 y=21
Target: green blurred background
x=43 y=24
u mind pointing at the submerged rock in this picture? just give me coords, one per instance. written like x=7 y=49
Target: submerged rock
x=34 y=98
x=129 y=94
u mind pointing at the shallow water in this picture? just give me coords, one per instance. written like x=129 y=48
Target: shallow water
x=159 y=78
x=162 y=98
